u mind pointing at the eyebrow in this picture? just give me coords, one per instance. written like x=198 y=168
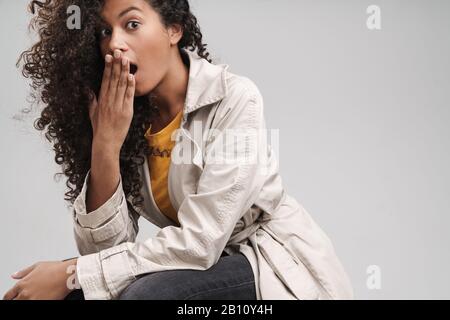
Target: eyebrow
x=124 y=12
x=128 y=10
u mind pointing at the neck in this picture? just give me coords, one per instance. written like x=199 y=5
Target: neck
x=170 y=94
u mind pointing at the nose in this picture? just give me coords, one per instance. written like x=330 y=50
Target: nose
x=117 y=43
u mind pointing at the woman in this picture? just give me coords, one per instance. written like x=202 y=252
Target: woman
x=165 y=134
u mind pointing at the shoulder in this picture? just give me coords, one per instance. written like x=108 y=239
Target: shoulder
x=240 y=86
x=243 y=102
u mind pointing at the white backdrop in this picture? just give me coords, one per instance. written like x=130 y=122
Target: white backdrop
x=364 y=136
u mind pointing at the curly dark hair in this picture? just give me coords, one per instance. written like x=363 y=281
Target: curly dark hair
x=66 y=65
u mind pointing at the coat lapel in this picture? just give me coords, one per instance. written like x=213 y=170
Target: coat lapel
x=206 y=85
x=207 y=82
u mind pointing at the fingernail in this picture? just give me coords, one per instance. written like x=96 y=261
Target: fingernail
x=108 y=58
x=124 y=61
x=15 y=274
x=117 y=54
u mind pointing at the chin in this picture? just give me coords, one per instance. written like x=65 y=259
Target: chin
x=138 y=94
x=140 y=91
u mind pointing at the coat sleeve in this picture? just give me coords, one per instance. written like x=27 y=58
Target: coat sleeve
x=112 y=223
x=229 y=184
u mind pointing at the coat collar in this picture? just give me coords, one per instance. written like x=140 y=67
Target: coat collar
x=207 y=82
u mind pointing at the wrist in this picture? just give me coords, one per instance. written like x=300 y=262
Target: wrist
x=103 y=148
x=70 y=278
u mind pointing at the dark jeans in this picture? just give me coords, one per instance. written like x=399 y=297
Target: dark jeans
x=230 y=278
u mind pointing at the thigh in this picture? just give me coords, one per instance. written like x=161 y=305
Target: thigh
x=230 y=278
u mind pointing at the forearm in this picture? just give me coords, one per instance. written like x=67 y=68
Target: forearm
x=104 y=177
x=101 y=226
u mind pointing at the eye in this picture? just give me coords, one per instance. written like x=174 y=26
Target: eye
x=104 y=32
x=134 y=24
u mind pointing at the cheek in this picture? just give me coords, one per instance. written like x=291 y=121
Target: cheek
x=151 y=71
x=154 y=58
x=155 y=52
x=153 y=45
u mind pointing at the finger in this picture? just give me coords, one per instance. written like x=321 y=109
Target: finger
x=22 y=273
x=93 y=106
x=106 y=77
x=20 y=297
x=123 y=81
x=115 y=76
x=129 y=93
x=12 y=293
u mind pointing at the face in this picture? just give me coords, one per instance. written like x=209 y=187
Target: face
x=136 y=29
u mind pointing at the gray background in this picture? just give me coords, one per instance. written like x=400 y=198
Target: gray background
x=364 y=135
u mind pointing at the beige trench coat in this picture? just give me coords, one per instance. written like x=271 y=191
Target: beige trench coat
x=232 y=206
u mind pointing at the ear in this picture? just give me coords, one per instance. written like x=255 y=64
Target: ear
x=175 y=33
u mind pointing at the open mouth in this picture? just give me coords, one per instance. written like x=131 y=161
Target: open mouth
x=133 y=68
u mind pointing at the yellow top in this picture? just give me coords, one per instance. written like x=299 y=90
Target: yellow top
x=159 y=162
